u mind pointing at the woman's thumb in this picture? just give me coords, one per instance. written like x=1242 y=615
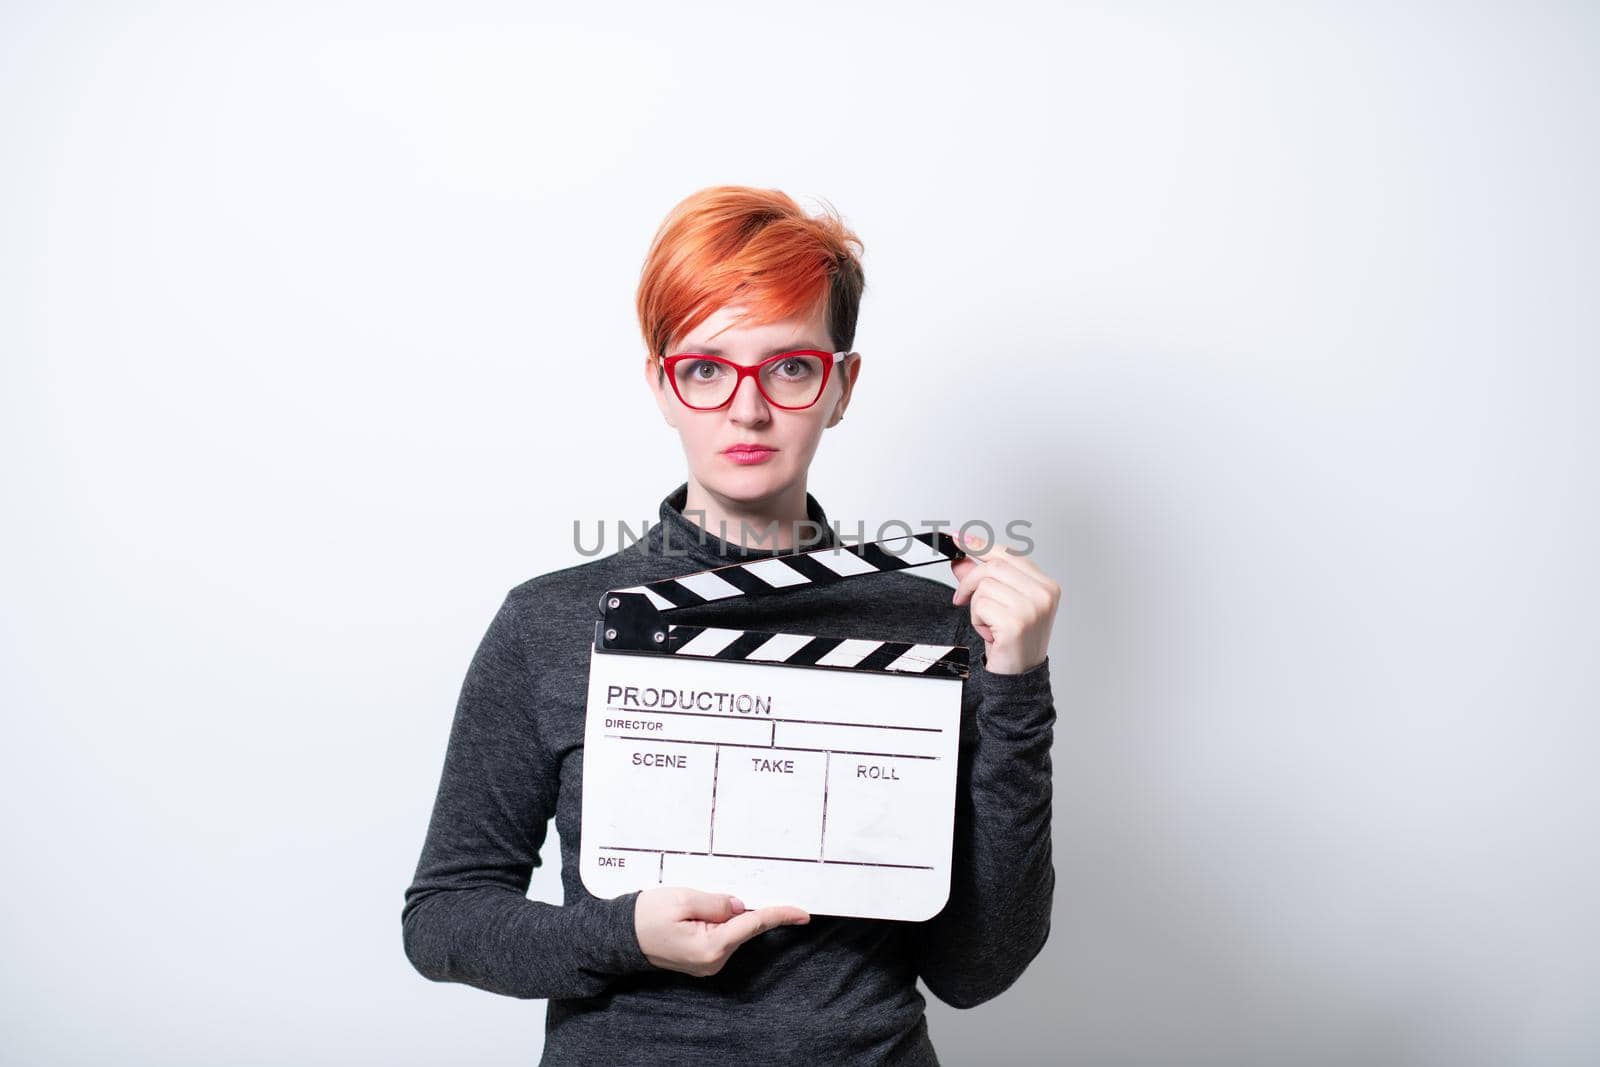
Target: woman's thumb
x=712 y=907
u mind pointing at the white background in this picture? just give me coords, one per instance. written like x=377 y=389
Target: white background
x=1276 y=320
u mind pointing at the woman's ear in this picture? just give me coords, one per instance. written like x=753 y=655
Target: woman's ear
x=848 y=370
x=654 y=377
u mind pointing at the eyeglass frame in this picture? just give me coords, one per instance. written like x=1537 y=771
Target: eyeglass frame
x=753 y=371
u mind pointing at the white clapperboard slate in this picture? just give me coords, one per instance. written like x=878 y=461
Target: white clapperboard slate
x=781 y=768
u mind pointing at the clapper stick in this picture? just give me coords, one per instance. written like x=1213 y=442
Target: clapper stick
x=632 y=618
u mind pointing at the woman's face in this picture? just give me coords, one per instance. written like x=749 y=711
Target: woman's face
x=785 y=439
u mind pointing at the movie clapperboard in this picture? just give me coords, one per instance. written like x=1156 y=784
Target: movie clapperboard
x=780 y=768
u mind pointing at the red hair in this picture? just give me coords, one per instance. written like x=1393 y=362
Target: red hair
x=733 y=244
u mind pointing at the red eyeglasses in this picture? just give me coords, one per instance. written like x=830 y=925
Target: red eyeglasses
x=788 y=380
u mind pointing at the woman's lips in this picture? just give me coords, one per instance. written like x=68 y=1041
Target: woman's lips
x=747 y=454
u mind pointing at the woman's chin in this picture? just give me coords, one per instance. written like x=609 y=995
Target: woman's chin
x=745 y=483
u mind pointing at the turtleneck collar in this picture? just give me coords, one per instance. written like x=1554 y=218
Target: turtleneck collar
x=681 y=537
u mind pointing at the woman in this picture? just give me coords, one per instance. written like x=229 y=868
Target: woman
x=679 y=974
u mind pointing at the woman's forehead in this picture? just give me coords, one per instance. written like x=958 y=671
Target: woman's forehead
x=729 y=328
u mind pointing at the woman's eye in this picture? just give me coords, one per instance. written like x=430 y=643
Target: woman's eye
x=793 y=368
x=704 y=369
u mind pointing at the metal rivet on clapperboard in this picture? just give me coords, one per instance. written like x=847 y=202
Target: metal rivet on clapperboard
x=660 y=637
x=613 y=603
x=611 y=635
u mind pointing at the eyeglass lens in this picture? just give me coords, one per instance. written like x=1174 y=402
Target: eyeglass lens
x=794 y=381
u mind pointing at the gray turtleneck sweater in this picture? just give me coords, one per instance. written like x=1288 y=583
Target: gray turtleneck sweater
x=836 y=990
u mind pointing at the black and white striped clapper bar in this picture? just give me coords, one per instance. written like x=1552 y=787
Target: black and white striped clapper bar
x=782 y=768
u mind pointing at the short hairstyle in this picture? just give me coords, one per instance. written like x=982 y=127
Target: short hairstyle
x=733 y=244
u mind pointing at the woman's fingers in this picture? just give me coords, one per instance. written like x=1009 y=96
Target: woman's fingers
x=999 y=574
x=1047 y=584
x=694 y=932
x=963 y=567
x=1001 y=566
x=999 y=610
x=741 y=928
x=968 y=580
x=1013 y=604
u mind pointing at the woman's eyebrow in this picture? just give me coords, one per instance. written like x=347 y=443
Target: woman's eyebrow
x=708 y=350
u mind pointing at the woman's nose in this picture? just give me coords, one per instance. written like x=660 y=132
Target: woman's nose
x=748 y=407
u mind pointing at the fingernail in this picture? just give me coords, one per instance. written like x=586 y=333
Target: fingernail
x=736 y=904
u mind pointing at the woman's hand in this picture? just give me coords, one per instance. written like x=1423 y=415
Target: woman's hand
x=1013 y=605
x=695 y=933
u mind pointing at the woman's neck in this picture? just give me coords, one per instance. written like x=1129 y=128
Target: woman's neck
x=771 y=520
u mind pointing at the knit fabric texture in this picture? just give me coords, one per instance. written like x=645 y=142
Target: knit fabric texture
x=835 y=990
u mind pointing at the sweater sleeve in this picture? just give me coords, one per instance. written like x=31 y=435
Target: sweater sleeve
x=1002 y=877
x=466 y=916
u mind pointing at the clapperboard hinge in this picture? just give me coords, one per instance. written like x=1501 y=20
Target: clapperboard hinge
x=633 y=619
